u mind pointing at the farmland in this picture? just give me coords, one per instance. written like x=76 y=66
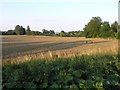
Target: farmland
x=23 y=48
x=44 y=62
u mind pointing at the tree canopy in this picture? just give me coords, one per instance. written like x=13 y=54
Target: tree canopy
x=95 y=28
x=91 y=30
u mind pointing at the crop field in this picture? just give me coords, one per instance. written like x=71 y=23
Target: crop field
x=60 y=62
x=23 y=48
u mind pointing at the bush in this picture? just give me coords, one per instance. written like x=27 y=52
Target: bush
x=97 y=72
x=118 y=35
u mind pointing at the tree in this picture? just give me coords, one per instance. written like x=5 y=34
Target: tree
x=51 y=32
x=22 y=31
x=45 y=32
x=10 y=32
x=118 y=35
x=28 y=31
x=37 y=33
x=105 y=30
x=91 y=30
x=80 y=34
x=75 y=34
x=62 y=34
x=3 y=32
x=114 y=26
x=17 y=29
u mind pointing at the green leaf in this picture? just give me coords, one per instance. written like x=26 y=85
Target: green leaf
x=29 y=85
x=82 y=84
x=89 y=84
x=55 y=85
x=73 y=86
x=69 y=77
x=45 y=85
x=113 y=79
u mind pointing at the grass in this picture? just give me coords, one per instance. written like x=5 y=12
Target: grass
x=101 y=71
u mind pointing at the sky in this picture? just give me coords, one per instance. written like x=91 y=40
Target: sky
x=57 y=15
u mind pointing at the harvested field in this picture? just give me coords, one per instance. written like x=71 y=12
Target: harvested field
x=23 y=48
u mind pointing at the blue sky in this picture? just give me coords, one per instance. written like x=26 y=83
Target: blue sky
x=67 y=15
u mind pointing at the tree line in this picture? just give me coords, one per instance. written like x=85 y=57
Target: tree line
x=95 y=28
x=98 y=29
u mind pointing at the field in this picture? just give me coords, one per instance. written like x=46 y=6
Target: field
x=25 y=48
x=42 y=62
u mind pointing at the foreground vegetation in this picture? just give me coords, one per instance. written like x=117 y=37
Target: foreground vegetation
x=83 y=72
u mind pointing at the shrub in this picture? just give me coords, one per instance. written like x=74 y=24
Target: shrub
x=96 y=72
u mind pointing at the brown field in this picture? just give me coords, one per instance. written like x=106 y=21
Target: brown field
x=24 y=48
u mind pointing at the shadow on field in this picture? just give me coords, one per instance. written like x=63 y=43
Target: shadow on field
x=29 y=47
x=67 y=45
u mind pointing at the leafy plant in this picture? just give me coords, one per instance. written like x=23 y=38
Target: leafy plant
x=83 y=72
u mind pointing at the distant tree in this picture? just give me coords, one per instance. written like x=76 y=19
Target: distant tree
x=45 y=31
x=62 y=33
x=28 y=28
x=22 y=31
x=75 y=34
x=114 y=26
x=28 y=31
x=105 y=30
x=10 y=32
x=51 y=32
x=37 y=33
x=91 y=30
x=3 y=32
x=18 y=29
x=80 y=34
x=72 y=33
x=32 y=33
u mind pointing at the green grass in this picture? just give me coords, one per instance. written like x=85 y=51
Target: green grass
x=83 y=72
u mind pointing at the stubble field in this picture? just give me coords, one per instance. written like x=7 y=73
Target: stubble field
x=25 y=48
